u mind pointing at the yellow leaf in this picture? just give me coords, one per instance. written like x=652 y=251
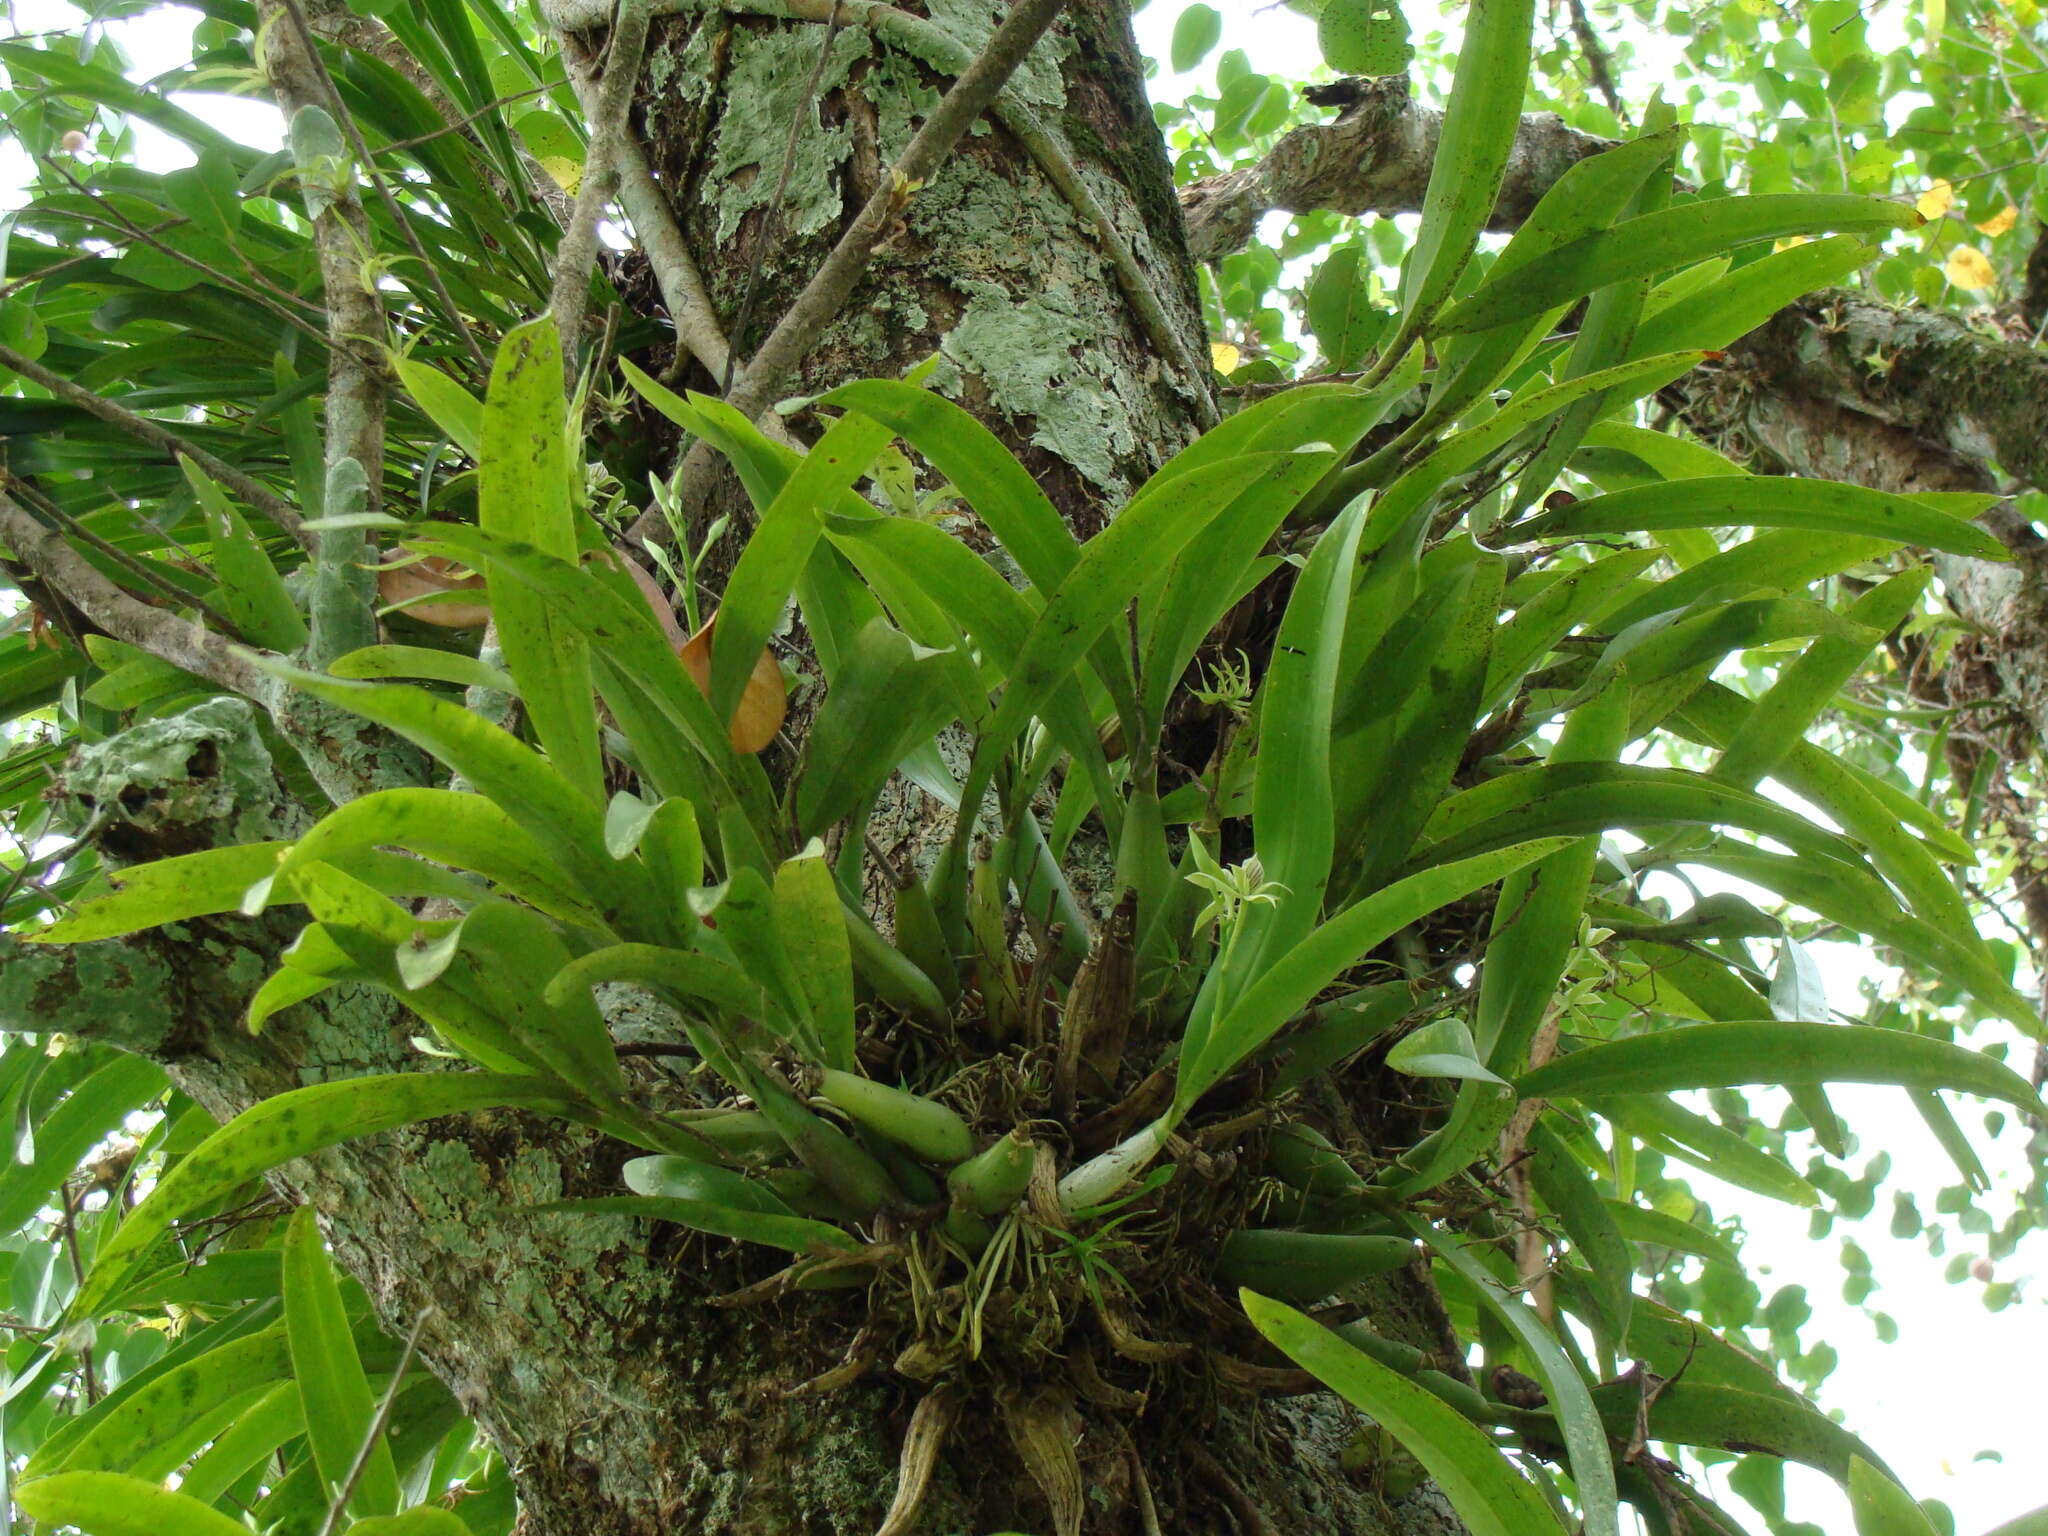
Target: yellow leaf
x=1935 y=201
x=1969 y=269
x=1223 y=357
x=2000 y=221
x=1789 y=241
x=567 y=173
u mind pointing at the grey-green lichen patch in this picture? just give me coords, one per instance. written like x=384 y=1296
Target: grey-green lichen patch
x=768 y=82
x=1032 y=354
x=206 y=768
x=112 y=991
x=685 y=73
x=1038 y=81
x=902 y=100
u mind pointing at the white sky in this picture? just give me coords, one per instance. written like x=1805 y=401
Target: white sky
x=1959 y=1380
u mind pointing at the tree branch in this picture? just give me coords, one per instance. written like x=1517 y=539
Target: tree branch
x=1374 y=158
x=342 y=602
x=161 y=634
x=1931 y=374
x=342 y=115
x=577 y=255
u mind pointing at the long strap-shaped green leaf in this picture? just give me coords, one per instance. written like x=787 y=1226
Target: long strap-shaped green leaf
x=683 y=971
x=1780 y=560
x=1596 y=797
x=798 y=1234
x=1293 y=813
x=914 y=566
x=1803 y=689
x=166 y=891
x=603 y=603
x=1536 y=920
x=1490 y=1496
x=1737 y=303
x=1658 y=241
x=125 y=1434
x=291 y=1125
x=1572 y=1192
x=257 y=1432
x=1548 y=609
x=1881 y=1507
x=332 y=1386
x=1686 y=1412
x=1583 y=201
x=1471 y=158
x=1201 y=586
x=1001 y=491
x=468 y=831
x=1779 y=1054
x=92 y=1111
x=569 y=824
x=779 y=549
x=1609 y=324
x=1766 y=501
x=113 y=1504
x=835 y=605
x=1656 y=1121
x=1835 y=893
x=250 y=588
x=1585 y=1437
x=523 y=494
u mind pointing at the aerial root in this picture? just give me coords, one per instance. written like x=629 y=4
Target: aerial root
x=860 y=1358
x=1268 y=1380
x=926 y=1437
x=1141 y=1486
x=1089 y=1382
x=1044 y=1429
x=1125 y=1339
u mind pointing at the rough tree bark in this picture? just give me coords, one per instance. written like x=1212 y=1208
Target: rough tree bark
x=1045 y=263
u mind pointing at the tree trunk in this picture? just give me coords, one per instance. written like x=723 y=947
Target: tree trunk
x=625 y=1394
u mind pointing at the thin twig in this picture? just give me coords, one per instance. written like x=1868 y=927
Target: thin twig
x=70 y=1225
x=119 y=220
x=456 y=125
x=682 y=291
x=347 y=120
x=771 y=221
x=258 y=496
x=1598 y=64
x=114 y=222
x=576 y=257
x=371 y=1435
x=15 y=285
